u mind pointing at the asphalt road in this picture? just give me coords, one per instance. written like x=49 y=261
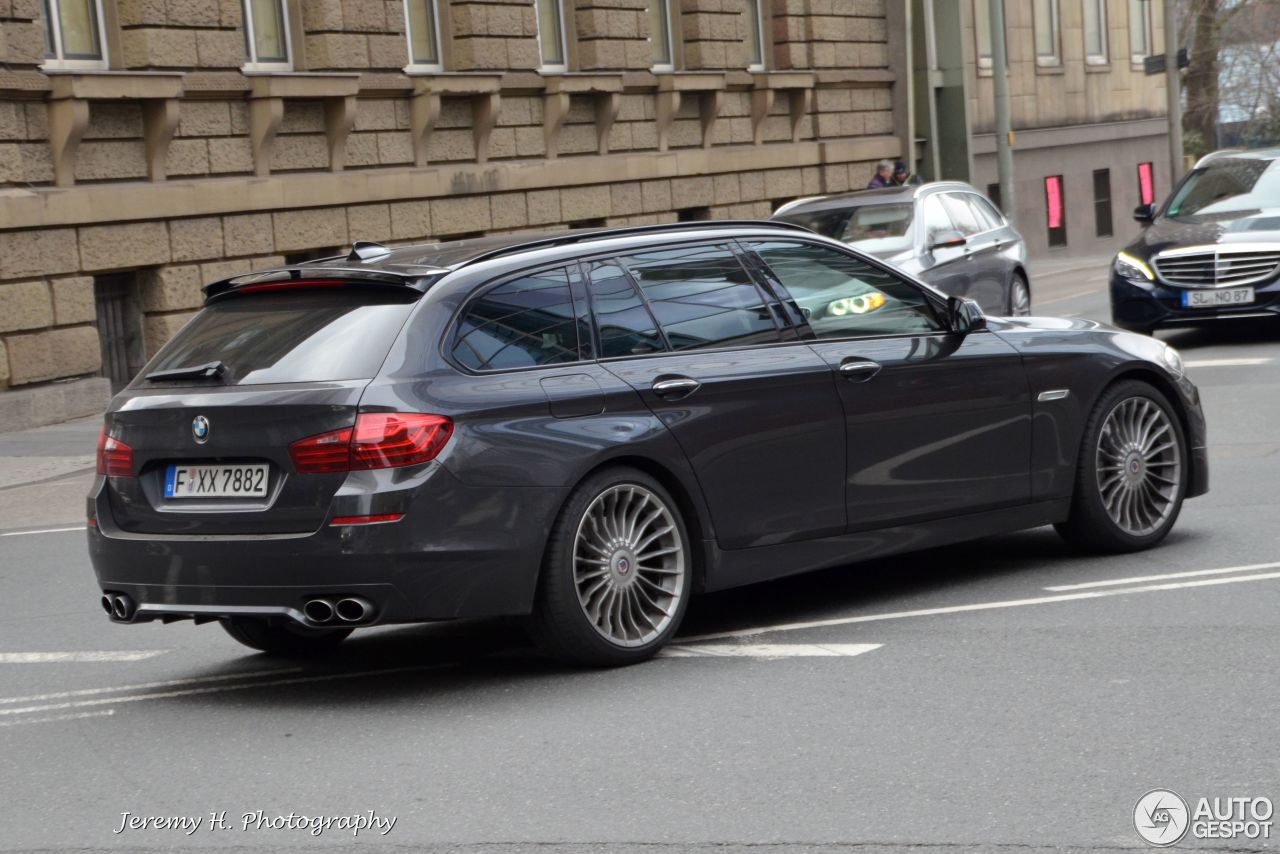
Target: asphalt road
x=942 y=701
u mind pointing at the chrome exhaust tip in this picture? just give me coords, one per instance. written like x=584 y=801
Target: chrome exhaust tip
x=121 y=607
x=106 y=604
x=318 y=611
x=354 y=609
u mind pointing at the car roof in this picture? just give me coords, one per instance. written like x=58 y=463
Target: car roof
x=857 y=198
x=420 y=264
x=1240 y=154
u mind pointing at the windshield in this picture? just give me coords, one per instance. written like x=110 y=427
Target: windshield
x=872 y=228
x=308 y=336
x=1228 y=185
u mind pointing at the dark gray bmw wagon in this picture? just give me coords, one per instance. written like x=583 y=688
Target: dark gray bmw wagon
x=589 y=428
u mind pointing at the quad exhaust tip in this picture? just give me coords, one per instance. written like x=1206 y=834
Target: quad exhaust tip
x=353 y=609
x=120 y=606
x=318 y=610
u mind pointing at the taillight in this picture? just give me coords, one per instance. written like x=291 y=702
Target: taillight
x=379 y=440
x=291 y=285
x=115 y=458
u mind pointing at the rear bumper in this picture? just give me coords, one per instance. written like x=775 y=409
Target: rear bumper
x=1149 y=305
x=458 y=552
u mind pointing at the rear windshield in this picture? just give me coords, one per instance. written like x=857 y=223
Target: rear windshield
x=309 y=336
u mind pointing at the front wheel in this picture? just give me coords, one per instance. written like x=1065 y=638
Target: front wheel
x=1131 y=476
x=617 y=573
x=1019 y=296
x=284 y=639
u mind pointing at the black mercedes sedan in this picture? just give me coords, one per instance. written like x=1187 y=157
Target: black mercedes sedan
x=1211 y=253
x=586 y=429
x=944 y=233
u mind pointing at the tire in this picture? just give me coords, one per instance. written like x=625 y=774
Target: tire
x=1019 y=296
x=1126 y=499
x=638 y=591
x=282 y=639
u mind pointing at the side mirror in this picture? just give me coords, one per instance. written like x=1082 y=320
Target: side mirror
x=946 y=240
x=1145 y=214
x=965 y=315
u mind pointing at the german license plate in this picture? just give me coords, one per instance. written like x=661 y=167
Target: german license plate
x=1209 y=299
x=247 y=481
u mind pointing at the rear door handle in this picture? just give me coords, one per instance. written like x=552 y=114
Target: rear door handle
x=675 y=386
x=859 y=370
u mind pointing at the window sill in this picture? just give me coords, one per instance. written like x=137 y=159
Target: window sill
x=74 y=66
x=106 y=85
x=422 y=69
x=583 y=83
x=1101 y=66
x=303 y=84
x=1050 y=69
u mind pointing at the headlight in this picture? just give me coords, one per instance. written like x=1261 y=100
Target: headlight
x=1173 y=361
x=1133 y=268
x=856 y=305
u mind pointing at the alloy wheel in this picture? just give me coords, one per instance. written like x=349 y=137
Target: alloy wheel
x=1139 y=466
x=629 y=565
x=1020 y=299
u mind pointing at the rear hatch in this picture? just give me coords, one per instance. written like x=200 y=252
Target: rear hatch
x=252 y=373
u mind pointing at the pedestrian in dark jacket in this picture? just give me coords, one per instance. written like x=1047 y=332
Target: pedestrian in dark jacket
x=902 y=175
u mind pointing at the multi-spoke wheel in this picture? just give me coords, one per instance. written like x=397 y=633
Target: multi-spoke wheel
x=1132 y=472
x=616 y=577
x=1019 y=296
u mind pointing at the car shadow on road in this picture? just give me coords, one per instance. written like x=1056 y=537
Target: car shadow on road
x=1231 y=333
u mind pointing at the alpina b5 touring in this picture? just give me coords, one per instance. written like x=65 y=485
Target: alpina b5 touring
x=587 y=429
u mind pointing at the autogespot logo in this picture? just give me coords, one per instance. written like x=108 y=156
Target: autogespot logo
x=1161 y=818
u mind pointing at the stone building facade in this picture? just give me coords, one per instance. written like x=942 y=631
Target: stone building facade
x=148 y=147
x=1090 y=124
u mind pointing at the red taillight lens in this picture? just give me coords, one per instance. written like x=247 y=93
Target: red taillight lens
x=379 y=440
x=323 y=454
x=291 y=285
x=115 y=458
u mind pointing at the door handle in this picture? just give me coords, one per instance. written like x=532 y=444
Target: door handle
x=859 y=370
x=675 y=386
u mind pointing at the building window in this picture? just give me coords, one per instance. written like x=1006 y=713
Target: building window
x=551 y=35
x=755 y=35
x=1095 y=32
x=1146 y=184
x=1139 y=29
x=1048 y=51
x=993 y=193
x=73 y=33
x=1102 y=202
x=119 y=319
x=1056 y=209
x=982 y=33
x=424 y=34
x=266 y=32
x=664 y=53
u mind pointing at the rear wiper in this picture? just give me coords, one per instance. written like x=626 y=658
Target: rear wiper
x=207 y=371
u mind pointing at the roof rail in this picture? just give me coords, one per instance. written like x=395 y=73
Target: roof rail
x=603 y=234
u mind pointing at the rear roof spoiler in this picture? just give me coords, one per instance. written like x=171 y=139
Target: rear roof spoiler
x=304 y=275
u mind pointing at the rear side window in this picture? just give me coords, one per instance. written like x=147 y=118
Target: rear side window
x=936 y=218
x=523 y=323
x=702 y=296
x=965 y=218
x=306 y=336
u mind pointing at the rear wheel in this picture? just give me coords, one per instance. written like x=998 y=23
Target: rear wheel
x=617 y=573
x=1132 y=473
x=285 y=639
x=1019 y=296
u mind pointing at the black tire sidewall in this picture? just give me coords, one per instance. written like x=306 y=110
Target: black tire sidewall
x=560 y=625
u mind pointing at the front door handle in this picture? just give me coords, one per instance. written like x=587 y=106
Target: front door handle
x=675 y=386
x=859 y=370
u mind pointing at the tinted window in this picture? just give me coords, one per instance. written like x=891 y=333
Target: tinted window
x=1227 y=185
x=304 y=336
x=624 y=324
x=526 y=322
x=829 y=223
x=843 y=296
x=702 y=296
x=962 y=215
x=936 y=218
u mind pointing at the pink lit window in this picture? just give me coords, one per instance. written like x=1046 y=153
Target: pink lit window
x=1146 y=184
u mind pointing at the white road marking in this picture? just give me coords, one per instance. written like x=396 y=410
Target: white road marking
x=1138 y=579
x=42 y=531
x=214 y=689
x=78 y=657
x=1225 y=363
x=767 y=650
x=55 y=718
x=170 y=683
x=980 y=606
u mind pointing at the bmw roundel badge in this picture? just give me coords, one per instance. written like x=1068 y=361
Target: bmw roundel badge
x=200 y=429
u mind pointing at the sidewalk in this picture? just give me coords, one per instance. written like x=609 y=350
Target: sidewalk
x=45 y=474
